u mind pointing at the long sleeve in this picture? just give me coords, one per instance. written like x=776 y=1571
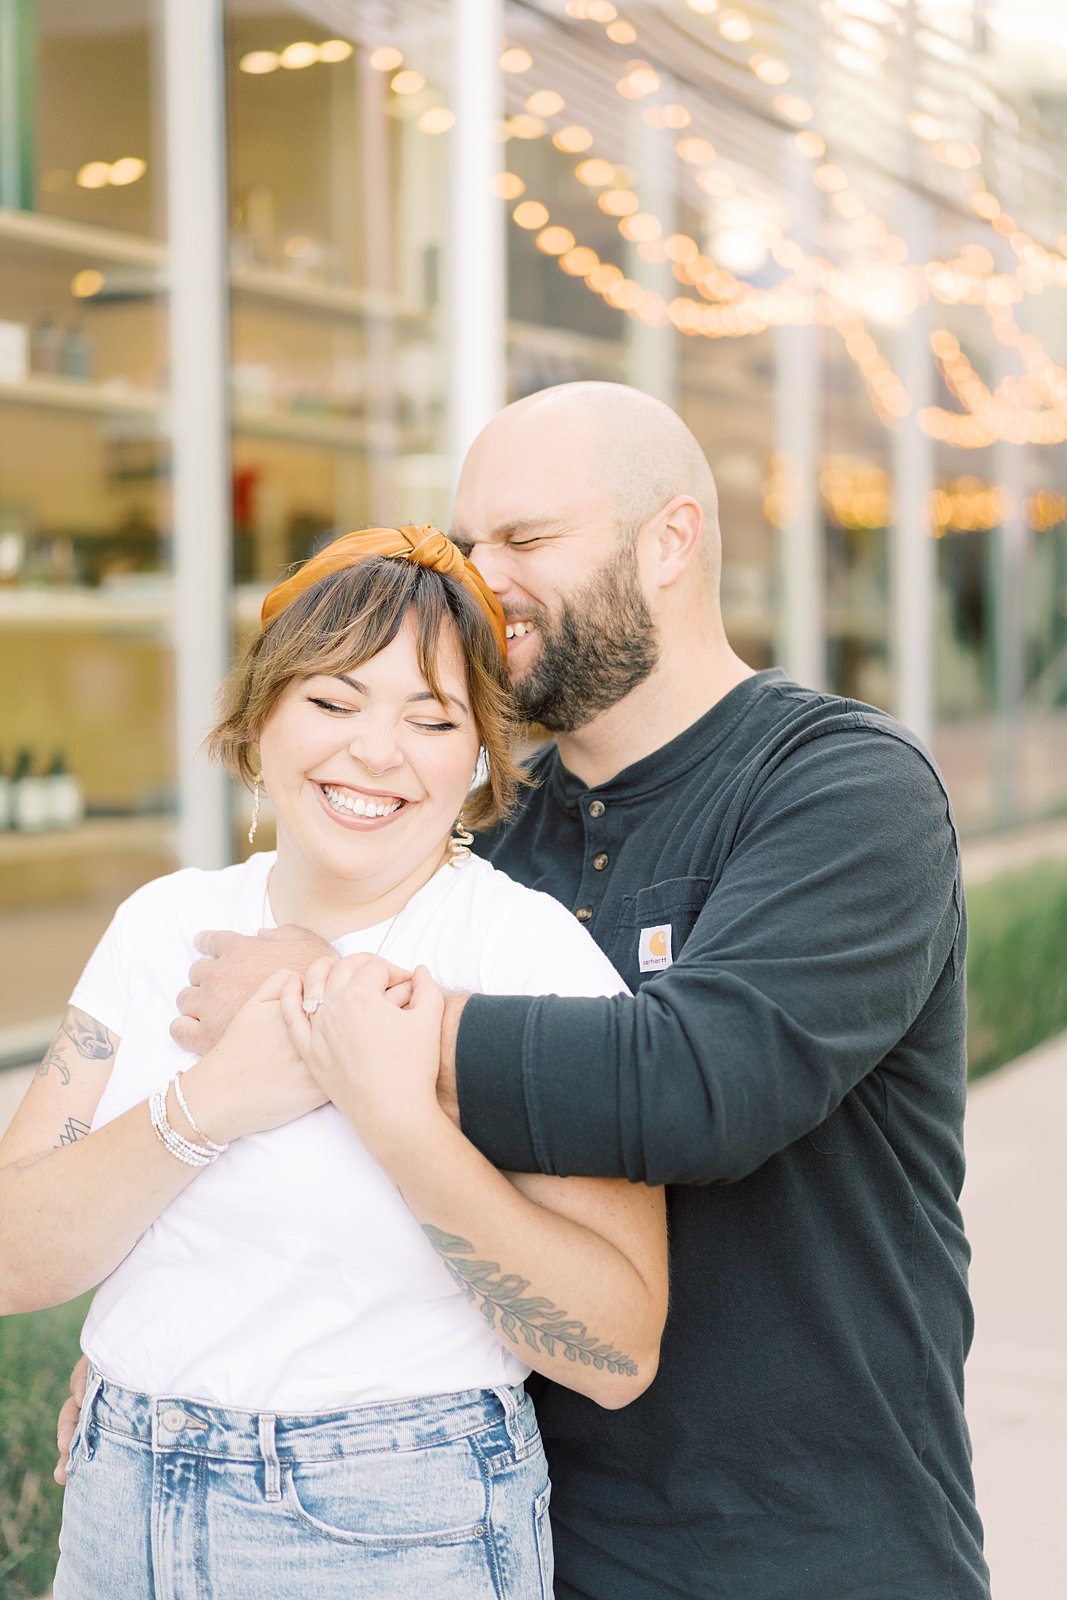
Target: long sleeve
x=834 y=914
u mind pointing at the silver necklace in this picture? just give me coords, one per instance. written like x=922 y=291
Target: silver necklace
x=390 y=925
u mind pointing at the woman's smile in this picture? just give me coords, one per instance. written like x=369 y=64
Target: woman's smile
x=362 y=808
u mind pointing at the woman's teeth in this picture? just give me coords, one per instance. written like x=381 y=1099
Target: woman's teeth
x=516 y=630
x=359 y=807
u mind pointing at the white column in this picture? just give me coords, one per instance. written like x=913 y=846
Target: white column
x=798 y=433
x=476 y=227
x=912 y=549
x=798 y=444
x=652 y=353
x=196 y=214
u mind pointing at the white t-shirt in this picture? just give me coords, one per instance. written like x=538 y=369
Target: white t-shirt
x=290 y=1275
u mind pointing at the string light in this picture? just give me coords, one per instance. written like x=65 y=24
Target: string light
x=597 y=174
x=438 y=119
x=573 y=139
x=555 y=241
x=735 y=26
x=666 y=117
x=530 y=214
x=257 y=63
x=524 y=126
x=545 y=103
x=516 y=60
x=818 y=293
x=386 y=58
x=619 y=202
x=699 y=152
x=507 y=186
x=769 y=69
x=407 y=82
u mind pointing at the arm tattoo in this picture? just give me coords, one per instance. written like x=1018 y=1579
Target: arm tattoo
x=89 y=1037
x=72 y=1132
x=54 y=1058
x=541 y=1324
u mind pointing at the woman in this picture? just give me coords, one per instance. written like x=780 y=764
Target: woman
x=319 y=1302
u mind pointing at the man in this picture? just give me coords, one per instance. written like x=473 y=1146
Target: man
x=775 y=874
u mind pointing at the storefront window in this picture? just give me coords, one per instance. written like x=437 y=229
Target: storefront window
x=86 y=714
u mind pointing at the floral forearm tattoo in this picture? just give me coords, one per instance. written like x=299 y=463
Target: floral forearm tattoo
x=529 y=1318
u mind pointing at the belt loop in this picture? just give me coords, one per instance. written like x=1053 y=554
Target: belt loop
x=269 y=1451
x=95 y=1381
x=506 y=1395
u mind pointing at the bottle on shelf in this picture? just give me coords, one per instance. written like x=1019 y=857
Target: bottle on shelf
x=5 y=800
x=76 y=355
x=66 y=802
x=47 y=347
x=30 y=807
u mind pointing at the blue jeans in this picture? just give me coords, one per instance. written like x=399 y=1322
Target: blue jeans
x=172 y=1499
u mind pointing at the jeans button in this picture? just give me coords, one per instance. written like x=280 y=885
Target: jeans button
x=173 y=1420
x=597 y=808
x=600 y=861
x=584 y=913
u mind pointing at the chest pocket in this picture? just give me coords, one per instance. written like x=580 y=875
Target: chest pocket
x=675 y=903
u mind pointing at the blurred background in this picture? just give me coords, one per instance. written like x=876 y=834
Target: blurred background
x=266 y=268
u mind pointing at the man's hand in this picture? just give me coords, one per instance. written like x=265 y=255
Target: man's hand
x=235 y=968
x=68 y=1417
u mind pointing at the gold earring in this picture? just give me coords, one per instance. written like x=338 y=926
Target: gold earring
x=255 y=809
x=459 y=844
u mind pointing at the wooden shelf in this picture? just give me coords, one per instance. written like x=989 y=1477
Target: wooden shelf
x=80 y=238
x=111 y=610
x=97 y=836
x=104 y=244
x=118 y=399
x=74 y=394
x=316 y=296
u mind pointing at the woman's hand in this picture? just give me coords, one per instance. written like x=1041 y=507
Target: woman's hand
x=373 y=1049
x=254 y=1079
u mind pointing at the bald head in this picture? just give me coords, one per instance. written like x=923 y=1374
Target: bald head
x=622 y=441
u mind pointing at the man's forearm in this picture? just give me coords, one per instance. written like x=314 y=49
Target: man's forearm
x=447 y=1098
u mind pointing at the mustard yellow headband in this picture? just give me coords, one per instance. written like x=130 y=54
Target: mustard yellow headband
x=427 y=546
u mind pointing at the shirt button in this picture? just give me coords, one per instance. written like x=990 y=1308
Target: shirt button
x=173 y=1421
x=584 y=913
x=597 y=809
x=600 y=861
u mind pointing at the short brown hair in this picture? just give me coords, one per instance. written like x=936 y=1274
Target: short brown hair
x=344 y=620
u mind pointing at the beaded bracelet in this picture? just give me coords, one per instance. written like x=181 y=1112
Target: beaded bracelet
x=175 y=1143
x=217 y=1149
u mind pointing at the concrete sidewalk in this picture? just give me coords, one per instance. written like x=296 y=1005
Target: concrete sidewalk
x=1015 y=1209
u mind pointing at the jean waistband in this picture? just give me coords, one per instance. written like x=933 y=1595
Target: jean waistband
x=176 y=1422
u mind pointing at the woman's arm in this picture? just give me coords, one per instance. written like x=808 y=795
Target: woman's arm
x=74 y=1203
x=571 y=1273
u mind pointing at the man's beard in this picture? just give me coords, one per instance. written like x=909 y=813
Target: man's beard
x=602 y=645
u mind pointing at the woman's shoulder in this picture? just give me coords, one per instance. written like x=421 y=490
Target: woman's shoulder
x=223 y=893
x=531 y=943
x=491 y=891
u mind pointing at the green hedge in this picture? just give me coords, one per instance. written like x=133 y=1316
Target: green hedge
x=37 y=1352
x=1016 y=964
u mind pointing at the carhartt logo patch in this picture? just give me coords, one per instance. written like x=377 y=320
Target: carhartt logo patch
x=654 y=950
